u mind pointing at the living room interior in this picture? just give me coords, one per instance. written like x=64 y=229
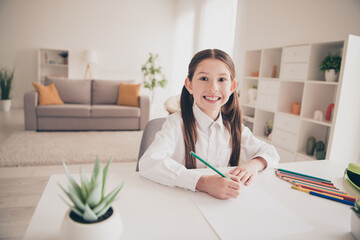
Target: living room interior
x=120 y=35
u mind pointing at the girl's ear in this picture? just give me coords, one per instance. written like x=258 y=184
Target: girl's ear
x=233 y=86
x=188 y=85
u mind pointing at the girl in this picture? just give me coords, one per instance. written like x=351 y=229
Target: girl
x=209 y=124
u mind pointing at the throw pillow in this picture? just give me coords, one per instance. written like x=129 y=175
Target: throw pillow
x=129 y=94
x=48 y=95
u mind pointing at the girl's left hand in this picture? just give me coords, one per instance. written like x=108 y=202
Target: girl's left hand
x=247 y=172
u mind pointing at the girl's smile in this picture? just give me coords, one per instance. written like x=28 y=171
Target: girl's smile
x=211 y=86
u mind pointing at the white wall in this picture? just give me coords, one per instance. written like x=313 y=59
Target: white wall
x=274 y=23
x=122 y=32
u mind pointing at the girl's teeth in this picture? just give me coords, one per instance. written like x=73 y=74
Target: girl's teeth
x=211 y=98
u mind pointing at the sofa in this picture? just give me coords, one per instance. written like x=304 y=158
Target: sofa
x=88 y=105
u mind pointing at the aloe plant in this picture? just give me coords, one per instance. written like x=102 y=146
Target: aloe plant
x=90 y=202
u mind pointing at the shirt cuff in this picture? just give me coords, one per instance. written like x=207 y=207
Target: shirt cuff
x=188 y=179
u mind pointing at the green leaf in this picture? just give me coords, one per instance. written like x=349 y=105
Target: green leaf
x=95 y=197
x=89 y=215
x=105 y=174
x=84 y=184
x=74 y=198
x=73 y=182
x=108 y=200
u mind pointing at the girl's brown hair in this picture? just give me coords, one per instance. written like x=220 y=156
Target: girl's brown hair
x=230 y=111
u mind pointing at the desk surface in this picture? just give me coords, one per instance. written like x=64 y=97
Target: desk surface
x=153 y=211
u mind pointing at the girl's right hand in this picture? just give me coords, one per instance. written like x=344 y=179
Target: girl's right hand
x=219 y=187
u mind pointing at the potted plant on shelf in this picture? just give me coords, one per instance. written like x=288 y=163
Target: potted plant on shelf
x=355 y=220
x=153 y=75
x=6 y=78
x=331 y=66
x=64 y=56
x=91 y=215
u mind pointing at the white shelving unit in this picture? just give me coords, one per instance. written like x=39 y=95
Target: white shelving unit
x=50 y=63
x=297 y=79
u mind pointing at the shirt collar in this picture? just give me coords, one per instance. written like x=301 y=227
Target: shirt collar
x=203 y=120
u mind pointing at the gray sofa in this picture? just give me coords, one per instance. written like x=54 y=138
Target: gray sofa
x=88 y=105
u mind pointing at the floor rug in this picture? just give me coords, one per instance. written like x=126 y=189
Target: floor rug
x=30 y=148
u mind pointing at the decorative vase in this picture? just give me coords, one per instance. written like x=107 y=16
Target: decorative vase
x=331 y=76
x=5 y=105
x=252 y=93
x=108 y=229
x=355 y=225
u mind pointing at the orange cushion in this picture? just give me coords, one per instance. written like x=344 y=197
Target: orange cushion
x=48 y=95
x=129 y=94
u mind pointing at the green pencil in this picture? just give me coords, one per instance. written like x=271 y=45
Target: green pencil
x=208 y=164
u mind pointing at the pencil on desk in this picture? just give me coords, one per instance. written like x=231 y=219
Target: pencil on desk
x=301 y=174
x=303 y=178
x=208 y=164
x=327 y=196
x=343 y=196
x=318 y=186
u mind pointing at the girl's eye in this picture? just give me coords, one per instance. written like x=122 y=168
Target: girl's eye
x=222 y=79
x=203 y=78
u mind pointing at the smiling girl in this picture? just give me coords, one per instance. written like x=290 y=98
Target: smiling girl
x=209 y=124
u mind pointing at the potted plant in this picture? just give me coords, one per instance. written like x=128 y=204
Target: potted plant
x=331 y=66
x=64 y=55
x=6 y=77
x=153 y=75
x=355 y=220
x=91 y=215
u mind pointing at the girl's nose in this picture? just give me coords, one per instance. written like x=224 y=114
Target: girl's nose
x=213 y=86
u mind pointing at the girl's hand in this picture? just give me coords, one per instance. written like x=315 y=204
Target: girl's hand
x=219 y=187
x=247 y=172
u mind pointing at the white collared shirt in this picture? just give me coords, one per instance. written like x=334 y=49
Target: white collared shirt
x=164 y=161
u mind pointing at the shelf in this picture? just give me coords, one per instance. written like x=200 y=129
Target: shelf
x=324 y=123
x=307 y=157
x=249 y=119
x=55 y=65
x=321 y=82
x=248 y=105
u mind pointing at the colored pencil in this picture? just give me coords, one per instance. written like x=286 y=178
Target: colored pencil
x=332 y=198
x=317 y=186
x=301 y=174
x=208 y=164
x=349 y=198
x=308 y=191
x=300 y=181
x=305 y=180
x=302 y=177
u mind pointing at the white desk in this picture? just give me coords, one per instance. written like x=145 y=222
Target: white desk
x=153 y=211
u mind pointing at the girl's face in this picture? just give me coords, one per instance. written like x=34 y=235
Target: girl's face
x=211 y=86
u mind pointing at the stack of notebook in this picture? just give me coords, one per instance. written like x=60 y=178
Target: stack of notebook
x=315 y=186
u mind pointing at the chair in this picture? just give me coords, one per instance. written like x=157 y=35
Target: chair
x=151 y=128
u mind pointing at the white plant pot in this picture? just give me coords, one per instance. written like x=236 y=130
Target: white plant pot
x=355 y=225
x=331 y=76
x=252 y=93
x=109 y=229
x=5 y=105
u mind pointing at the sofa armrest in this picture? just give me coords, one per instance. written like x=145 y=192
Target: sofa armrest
x=144 y=102
x=30 y=104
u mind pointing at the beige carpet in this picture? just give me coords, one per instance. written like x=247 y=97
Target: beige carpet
x=29 y=148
